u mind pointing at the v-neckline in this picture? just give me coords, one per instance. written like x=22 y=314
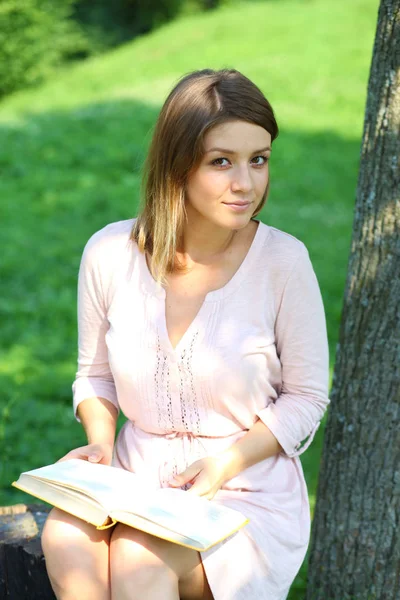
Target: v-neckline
x=159 y=292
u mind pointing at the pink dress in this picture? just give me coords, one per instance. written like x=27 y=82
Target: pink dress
x=257 y=348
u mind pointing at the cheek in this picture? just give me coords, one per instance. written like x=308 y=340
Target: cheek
x=262 y=180
x=207 y=186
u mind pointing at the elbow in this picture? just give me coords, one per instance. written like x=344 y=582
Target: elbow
x=94 y=387
x=294 y=419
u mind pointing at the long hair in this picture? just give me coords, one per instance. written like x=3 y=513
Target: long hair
x=199 y=101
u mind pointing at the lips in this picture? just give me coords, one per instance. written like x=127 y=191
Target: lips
x=237 y=203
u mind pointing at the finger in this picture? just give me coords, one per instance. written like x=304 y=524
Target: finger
x=198 y=490
x=92 y=455
x=200 y=487
x=186 y=476
x=72 y=454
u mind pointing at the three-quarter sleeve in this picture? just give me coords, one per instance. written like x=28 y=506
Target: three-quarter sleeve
x=302 y=347
x=93 y=377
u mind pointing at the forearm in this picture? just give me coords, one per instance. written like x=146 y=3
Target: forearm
x=99 y=420
x=258 y=444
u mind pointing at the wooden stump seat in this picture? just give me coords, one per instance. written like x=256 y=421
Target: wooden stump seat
x=23 y=573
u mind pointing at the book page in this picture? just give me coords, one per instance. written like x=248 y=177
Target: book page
x=71 y=501
x=203 y=521
x=154 y=529
x=101 y=482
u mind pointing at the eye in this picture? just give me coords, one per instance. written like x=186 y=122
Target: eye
x=265 y=160
x=218 y=164
x=218 y=161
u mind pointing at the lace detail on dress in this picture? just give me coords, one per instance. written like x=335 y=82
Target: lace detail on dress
x=184 y=412
x=190 y=415
x=183 y=449
x=161 y=383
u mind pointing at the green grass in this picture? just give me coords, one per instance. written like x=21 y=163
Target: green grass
x=70 y=158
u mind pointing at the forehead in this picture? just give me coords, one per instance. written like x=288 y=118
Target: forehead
x=236 y=136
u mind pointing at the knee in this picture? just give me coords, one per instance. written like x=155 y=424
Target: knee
x=64 y=534
x=136 y=555
x=58 y=530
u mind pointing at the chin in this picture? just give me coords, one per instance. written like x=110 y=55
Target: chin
x=241 y=218
x=238 y=223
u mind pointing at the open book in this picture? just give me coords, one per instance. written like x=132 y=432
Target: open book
x=104 y=495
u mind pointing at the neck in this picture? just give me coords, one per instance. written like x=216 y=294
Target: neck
x=203 y=243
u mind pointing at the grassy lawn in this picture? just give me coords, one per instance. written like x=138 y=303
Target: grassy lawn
x=70 y=159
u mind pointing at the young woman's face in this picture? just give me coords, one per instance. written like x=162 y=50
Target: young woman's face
x=232 y=177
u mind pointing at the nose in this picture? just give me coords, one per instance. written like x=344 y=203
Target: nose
x=241 y=179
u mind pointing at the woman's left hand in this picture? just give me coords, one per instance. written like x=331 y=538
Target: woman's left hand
x=206 y=475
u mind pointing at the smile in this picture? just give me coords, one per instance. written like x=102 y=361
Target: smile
x=238 y=206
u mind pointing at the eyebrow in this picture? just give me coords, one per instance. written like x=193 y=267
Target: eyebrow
x=225 y=151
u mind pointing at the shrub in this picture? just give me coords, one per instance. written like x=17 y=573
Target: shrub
x=35 y=37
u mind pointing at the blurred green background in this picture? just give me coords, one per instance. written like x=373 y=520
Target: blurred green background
x=75 y=120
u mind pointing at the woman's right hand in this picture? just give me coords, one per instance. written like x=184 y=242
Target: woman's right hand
x=95 y=453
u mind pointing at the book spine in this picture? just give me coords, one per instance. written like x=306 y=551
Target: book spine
x=107 y=524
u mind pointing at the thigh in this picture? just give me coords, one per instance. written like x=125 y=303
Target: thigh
x=194 y=585
x=64 y=530
x=76 y=556
x=130 y=546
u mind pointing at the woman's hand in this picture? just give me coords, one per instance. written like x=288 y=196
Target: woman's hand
x=207 y=476
x=96 y=453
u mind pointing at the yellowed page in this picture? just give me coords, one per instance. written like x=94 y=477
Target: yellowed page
x=72 y=502
x=187 y=517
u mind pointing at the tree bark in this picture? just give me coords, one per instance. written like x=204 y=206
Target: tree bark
x=23 y=574
x=355 y=541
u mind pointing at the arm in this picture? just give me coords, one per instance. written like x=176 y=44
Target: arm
x=257 y=444
x=210 y=473
x=93 y=378
x=99 y=420
x=302 y=346
x=94 y=394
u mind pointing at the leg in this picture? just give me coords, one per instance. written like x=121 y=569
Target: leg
x=194 y=585
x=77 y=557
x=144 y=566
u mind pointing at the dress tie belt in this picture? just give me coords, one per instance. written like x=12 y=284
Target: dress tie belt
x=176 y=462
x=174 y=434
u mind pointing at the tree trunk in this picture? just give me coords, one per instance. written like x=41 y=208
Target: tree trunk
x=23 y=574
x=355 y=542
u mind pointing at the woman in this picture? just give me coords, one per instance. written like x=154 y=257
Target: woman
x=206 y=327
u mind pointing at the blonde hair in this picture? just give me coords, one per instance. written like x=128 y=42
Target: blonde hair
x=199 y=101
